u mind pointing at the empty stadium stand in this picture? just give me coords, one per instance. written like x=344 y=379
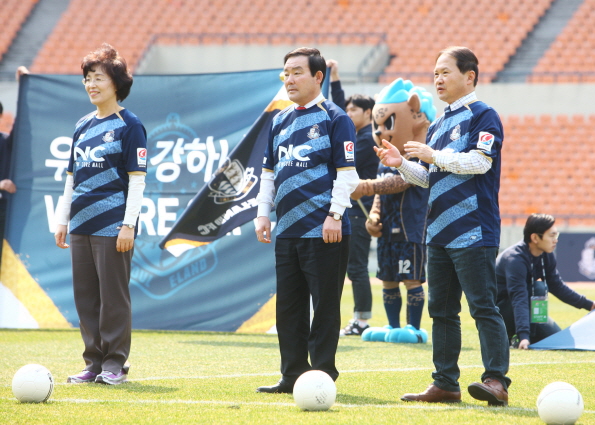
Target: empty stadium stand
x=12 y=15
x=547 y=167
x=415 y=31
x=570 y=58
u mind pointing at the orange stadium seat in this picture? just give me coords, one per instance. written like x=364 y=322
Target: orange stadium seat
x=565 y=60
x=413 y=26
x=13 y=14
x=529 y=185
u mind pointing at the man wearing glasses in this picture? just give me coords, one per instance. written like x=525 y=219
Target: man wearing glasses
x=526 y=273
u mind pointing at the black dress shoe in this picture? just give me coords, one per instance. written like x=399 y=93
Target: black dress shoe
x=280 y=387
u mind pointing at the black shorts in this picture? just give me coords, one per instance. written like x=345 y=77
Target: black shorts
x=399 y=261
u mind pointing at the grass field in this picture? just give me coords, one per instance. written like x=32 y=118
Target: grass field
x=204 y=377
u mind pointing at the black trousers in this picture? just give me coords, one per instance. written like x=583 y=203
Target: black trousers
x=308 y=266
x=538 y=331
x=357 y=268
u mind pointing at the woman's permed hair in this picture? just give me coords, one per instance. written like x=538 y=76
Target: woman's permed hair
x=113 y=65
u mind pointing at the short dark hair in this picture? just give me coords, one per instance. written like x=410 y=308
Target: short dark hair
x=537 y=223
x=466 y=59
x=361 y=101
x=114 y=66
x=1 y=108
x=315 y=60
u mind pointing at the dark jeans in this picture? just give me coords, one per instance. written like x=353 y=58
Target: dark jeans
x=538 y=331
x=357 y=268
x=308 y=266
x=452 y=271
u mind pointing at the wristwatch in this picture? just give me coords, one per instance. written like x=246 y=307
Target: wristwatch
x=130 y=226
x=335 y=216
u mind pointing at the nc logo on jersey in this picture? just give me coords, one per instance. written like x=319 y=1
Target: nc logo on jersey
x=231 y=182
x=485 y=142
x=291 y=152
x=141 y=157
x=314 y=132
x=456 y=133
x=89 y=154
x=109 y=136
x=349 y=151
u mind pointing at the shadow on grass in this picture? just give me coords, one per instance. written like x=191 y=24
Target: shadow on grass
x=254 y=344
x=137 y=387
x=363 y=400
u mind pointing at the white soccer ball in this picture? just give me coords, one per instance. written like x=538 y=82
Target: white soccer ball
x=32 y=383
x=314 y=390
x=559 y=403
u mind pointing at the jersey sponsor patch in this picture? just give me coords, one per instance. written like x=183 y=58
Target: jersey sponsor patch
x=349 y=151
x=141 y=155
x=485 y=142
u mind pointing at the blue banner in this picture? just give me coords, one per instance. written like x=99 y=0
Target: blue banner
x=575 y=255
x=193 y=122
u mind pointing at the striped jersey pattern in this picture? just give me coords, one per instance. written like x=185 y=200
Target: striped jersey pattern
x=305 y=150
x=103 y=152
x=464 y=209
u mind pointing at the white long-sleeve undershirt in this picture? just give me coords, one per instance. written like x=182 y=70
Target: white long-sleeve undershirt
x=344 y=185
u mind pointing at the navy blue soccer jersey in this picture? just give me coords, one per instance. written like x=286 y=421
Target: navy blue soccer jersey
x=403 y=215
x=306 y=148
x=464 y=209
x=103 y=152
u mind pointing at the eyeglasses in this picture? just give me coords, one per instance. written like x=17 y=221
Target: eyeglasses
x=554 y=236
x=98 y=80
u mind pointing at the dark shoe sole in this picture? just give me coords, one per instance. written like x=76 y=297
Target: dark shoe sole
x=273 y=391
x=479 y=393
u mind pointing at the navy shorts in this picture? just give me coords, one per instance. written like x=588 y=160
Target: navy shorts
x=399 y=261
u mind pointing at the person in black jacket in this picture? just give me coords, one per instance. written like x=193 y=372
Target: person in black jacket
x=526 y=273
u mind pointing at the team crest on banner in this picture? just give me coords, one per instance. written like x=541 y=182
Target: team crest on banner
x=160 y=278
x=232 y=183
x=586 y=265
x=198 y=199
x=180 y=156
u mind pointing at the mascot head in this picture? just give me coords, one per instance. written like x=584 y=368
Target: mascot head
x=402 y=112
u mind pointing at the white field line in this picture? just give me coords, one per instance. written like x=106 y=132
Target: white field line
x=406 y=369
x=421 y=406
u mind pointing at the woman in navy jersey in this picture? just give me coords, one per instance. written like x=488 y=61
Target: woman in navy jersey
x=102 y=201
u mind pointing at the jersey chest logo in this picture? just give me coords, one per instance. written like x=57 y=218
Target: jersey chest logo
x=456 y=132
x=109 y=136
x=314 y=132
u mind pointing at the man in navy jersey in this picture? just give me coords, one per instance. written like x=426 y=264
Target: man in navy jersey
x=461 y=165
x=308 y=174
